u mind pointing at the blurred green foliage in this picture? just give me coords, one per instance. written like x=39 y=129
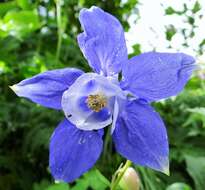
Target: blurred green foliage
x=29 y=34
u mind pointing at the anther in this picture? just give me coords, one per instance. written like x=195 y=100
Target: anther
x=96 y=102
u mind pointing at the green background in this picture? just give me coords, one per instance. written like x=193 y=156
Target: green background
x=33 y=38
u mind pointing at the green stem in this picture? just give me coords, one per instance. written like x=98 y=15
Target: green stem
x=120 y=174
x=60 y=31
x=106 y=144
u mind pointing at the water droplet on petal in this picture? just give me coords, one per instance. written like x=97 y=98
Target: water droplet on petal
x=82 y=140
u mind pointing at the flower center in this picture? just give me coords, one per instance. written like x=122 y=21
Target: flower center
x=96 y=102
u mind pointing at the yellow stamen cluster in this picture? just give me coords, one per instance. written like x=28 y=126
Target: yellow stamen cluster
x=96 y=102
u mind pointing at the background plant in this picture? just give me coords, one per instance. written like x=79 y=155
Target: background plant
x=40 y=35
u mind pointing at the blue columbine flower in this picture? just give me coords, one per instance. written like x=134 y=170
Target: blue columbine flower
x=92 y=101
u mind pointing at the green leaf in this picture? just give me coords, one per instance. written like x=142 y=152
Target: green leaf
x=136 y=50
x=197 y=7
x=170 y=11
x=93 y=179
x=41 y=186
x=36 y=138
x=178 y=186
x=170 y=32
x=6 y=6
x=191 y=20
x=149 y=179
x=20 y=23
x=58 y=186
x=45 y=185
x=198 y=115
x=3 y=67
x=196 y=169
x=199 y=110
x=24 y=4
x=202 y=43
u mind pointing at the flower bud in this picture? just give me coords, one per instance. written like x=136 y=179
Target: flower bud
x=130 y=180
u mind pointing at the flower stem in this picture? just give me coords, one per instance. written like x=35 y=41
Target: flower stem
x=106 y=144
x=119 y=174
x=59 y=25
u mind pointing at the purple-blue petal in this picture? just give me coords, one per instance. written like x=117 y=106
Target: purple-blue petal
x=100 y=116
x=140 y=136
x=82 y=104
x=47 y=88
x=73 y=151
x=102 y=42
x=154 y=76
